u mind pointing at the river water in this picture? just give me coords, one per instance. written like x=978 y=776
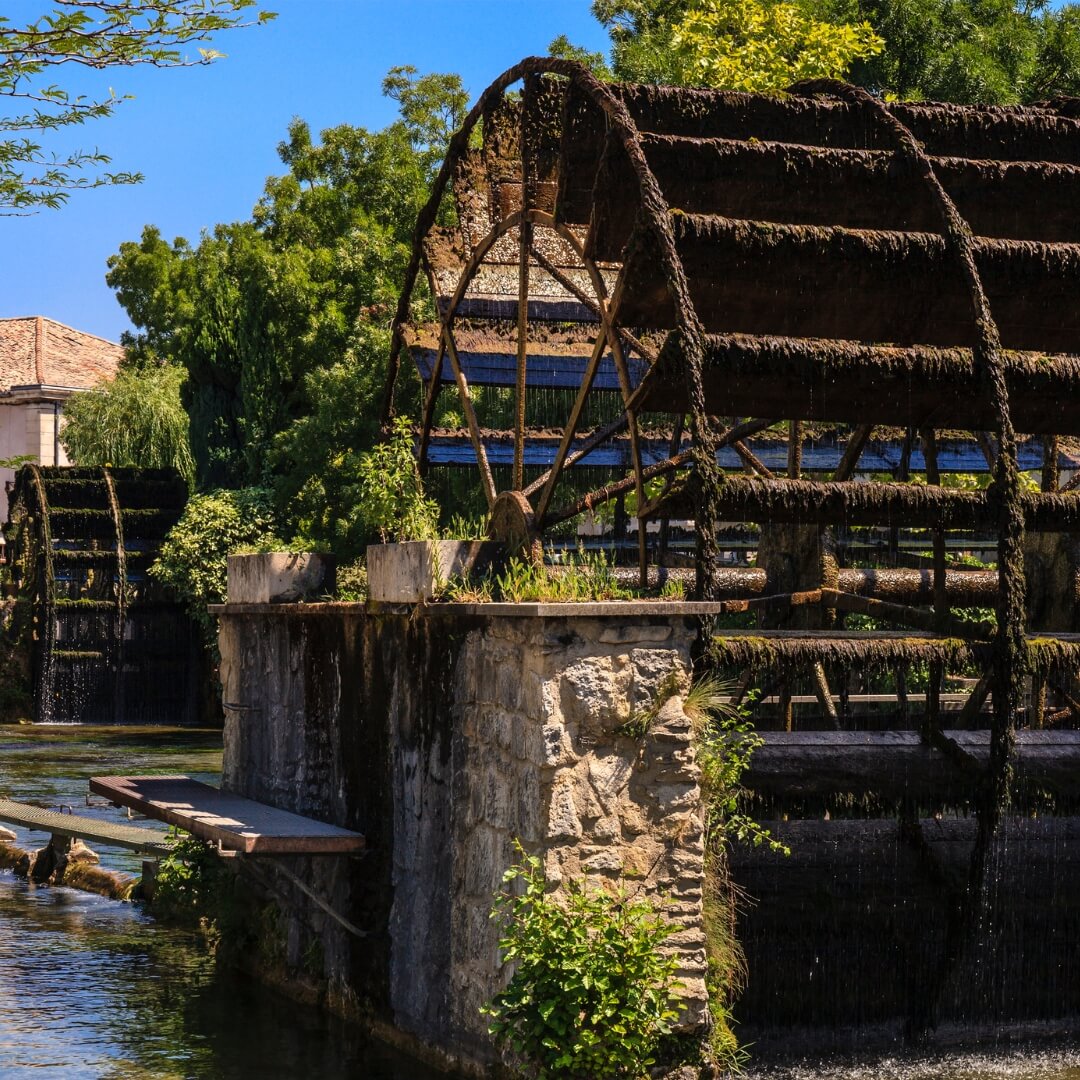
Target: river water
x=97 y=989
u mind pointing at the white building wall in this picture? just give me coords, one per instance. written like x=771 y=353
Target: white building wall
x=27 y=428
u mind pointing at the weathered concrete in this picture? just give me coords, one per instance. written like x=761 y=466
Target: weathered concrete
x=279 y=577
x=416 y=570
x=443 y=737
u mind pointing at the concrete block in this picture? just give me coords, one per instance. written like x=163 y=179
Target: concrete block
x=415 y=570
x=279 y=577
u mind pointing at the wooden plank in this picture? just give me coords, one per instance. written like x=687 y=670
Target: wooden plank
x=103 y=833
x=236 y=823
x=897 y=764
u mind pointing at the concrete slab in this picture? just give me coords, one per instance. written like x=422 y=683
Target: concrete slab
x=416 y=570
x=279 y=577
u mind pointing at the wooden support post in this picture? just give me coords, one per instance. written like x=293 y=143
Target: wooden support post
x=741 y=688
x=787 y=713
x=903 y=474
x=1050 y=470
x=903 y=705
x=932 y=721
x=795 y=439
x=941 y=600
x=824 y=696
x=979 y=693
x=1038 y=701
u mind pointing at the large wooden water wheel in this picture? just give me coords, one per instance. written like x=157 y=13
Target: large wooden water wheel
x=720 y=263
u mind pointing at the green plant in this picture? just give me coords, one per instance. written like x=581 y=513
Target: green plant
x=18 y=461
x=582 y=577
x=192 y=882
x=591 y=992
x=352 y=583
x=725 y=740
x=466 y=590
x=192 y=561
x=463 y=528
x=97 y=36
x=673 y=589
x=391 y=497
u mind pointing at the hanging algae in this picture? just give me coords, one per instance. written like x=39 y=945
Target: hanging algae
x=1010 y=653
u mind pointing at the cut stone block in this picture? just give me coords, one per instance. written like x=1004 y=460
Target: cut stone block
x=415 y=570
x=279 y=577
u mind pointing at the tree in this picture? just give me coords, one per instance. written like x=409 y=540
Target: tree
x=280 y=321
x=135 y=419
x=96 y=35
x=748 y=45
x=991 y=51
x=757 y=45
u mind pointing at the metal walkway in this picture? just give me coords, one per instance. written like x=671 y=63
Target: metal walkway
x=231 y=821
x=105 y=833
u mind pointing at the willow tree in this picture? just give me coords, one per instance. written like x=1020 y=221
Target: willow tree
x=135 y=419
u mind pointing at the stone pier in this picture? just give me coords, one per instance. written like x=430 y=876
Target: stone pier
x=444 y=733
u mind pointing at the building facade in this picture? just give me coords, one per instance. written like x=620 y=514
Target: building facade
x=42 y=363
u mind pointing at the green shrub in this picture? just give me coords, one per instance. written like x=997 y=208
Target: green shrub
x=591 y=993
x=192 y=883
x=192 y=562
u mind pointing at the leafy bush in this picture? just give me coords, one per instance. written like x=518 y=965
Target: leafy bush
x=725 y=740
x=591 y=994
x=192 y=883
x=390 y=492
x=135 y=419
x=213 y=526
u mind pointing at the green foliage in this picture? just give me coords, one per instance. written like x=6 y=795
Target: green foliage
x=121 y=33
x=463 y=528
x=755 y=46
x=673 y=589
x=317 y=457
x=390 y=494
x=18 y=461
x=192 y=562
x=758 y=45
x=135 y=419
x=581 y=578
x=591 y=992
x=192 y=884
x=992 y=51
x=352 y=583
x=725 y=741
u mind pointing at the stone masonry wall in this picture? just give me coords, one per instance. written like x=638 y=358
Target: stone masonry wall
x=539 y=757
x=444 y=737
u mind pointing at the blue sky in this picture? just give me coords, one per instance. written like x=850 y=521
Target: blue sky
x=205 y=138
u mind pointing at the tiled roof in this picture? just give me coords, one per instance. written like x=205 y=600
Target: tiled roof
x=35 y=351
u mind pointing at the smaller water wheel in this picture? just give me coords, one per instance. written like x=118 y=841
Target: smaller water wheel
x=105 y=644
